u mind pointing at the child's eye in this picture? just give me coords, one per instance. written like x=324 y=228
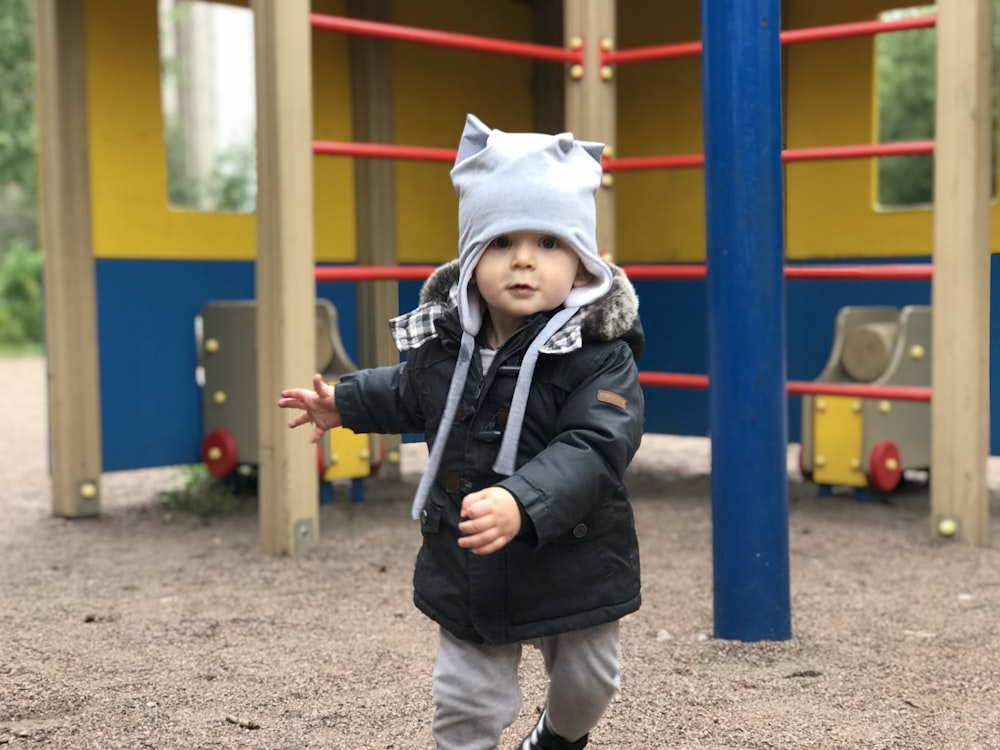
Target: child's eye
x=501 y=241
x=549 y=243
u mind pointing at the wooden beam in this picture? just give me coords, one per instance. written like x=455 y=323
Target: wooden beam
x=591 y=97
x=286 y=288
x=961 y=292
x=375 y=201
x=548 y=80
x=70 y=290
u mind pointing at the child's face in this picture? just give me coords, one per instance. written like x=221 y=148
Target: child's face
x=523 y=273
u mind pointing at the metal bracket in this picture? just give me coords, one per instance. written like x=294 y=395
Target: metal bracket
x=305 y=534
x=88 y=495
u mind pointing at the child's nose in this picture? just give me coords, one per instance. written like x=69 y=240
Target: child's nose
x=524 y=253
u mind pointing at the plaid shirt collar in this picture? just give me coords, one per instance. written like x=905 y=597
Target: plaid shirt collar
x=415 y=328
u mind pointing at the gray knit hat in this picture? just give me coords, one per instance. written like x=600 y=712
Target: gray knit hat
x=512 y=182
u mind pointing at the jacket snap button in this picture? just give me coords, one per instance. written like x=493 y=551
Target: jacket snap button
x=580 y=530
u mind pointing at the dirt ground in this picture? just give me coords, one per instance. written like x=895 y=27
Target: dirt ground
x=146 y=628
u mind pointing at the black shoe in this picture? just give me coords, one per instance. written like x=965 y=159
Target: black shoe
x=543 y=738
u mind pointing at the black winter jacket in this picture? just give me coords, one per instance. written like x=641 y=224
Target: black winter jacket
x=577 y=563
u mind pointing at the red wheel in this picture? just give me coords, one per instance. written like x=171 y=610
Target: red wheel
x=885 y=468
x=218 y=452
x=806 y=474
x=377 y=464
x=320 y=460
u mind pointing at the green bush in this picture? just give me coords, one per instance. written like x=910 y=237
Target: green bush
x=21 y=307
x=198 y=492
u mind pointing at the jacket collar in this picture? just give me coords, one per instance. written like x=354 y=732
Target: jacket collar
x=613 y=316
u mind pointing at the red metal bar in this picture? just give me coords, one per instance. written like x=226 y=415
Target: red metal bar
x=795 y=387
x=665 y=271
x=673 y=380
x=789 y=36
x=862 y=151
x=656 y=52
x=383 y=151
x=373 y=273
x=675 y=161
x=881 y=272
x=892 y=392
x=860 y=28
x=444 y=38
x=885 y=272
x=676 y=272
x=812 y=153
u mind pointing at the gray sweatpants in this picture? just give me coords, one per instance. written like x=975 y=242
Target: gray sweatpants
x=477 y=693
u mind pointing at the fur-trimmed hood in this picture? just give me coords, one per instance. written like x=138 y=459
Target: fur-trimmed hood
x=613 y=316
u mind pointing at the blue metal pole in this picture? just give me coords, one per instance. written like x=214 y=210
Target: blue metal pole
x=744 y=199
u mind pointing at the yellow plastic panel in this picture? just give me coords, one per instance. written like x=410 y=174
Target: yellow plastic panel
x=838 y=439
x=829 y=100
x=349 y=456
x=131 y=215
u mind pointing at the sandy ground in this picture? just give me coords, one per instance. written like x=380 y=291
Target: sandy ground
x=146 y=628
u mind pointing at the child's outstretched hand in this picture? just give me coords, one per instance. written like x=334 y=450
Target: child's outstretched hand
x=493 y=518
x=319 y=407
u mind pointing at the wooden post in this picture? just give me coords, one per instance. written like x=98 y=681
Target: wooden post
x=961 y=290
x=286 y=287
x=591 y=96
x=548 y=79
x=375 y=199
x=70 y=290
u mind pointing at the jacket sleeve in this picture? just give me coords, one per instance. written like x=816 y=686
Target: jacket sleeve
x=597 y=433
x=379 y=400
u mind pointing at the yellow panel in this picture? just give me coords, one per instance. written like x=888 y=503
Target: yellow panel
x=660 y=213
x=838 y=431
x=131 y=216
x=435 y=88
x=333 y=176
x=349 y=456
x=829 y=101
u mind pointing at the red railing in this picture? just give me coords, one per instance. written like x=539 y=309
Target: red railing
x=795 y=387
x=789 y=36
x=676 y=272
x=631 y=163
x=396 y=32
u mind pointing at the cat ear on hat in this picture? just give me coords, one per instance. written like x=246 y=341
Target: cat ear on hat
x=593 y=148
x=474 y=138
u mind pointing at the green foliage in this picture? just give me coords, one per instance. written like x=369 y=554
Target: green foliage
x=233 y=185
x=906 y=85
x=198 y=492
x=17 y=105
x=21 y=307
x=18 y=131
x=182 y=186
x=906 y=73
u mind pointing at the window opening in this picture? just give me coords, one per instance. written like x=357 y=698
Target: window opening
x=207 y=91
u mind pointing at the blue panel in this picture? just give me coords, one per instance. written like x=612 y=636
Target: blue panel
x=674 y=317
x=994 y=354
x=150 y=402
x=152 y=406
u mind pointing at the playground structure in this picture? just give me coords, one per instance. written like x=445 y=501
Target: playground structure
x=105 y=209
x=225 y=341
x=869 y=442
